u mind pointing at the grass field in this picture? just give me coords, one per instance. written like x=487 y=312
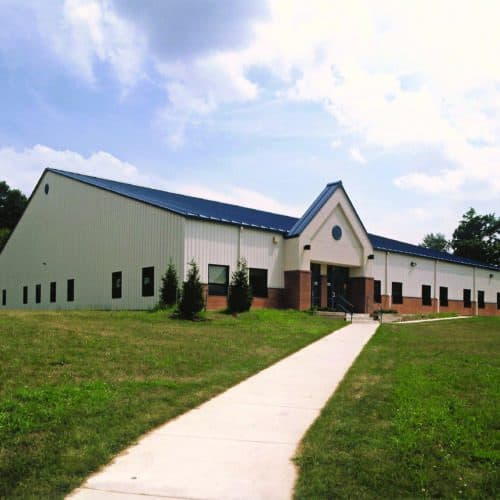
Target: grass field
x=77 y=387
x=417 y=415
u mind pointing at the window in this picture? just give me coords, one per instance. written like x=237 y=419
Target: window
x=25 y=294
x=498 y=300
x=38 y=294
x=467 y=297
x=53 y=291
x=397 y=292
x=426 y=295
x=148 y=281
x=116 y=285
x=258 y=282
x=377 y=291
x=480 y=299
x=71 y=290
x=443 y=296
x=218 y=279
x=4 y=297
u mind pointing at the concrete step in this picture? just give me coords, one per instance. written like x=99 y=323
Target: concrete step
x=361 y=318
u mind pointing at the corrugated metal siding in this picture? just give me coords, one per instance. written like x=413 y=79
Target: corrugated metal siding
x=215 y=243
x=259 y=249
x=85 y=233
x=210 y=243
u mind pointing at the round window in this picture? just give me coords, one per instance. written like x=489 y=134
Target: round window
x=336 y=232
x=46 y=189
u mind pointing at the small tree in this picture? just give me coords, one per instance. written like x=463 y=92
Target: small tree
x=169 y=291
x=191 y=303
x=240 y=293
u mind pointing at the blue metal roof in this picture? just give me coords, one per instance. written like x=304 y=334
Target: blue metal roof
x=190 y=206
x=389 y=245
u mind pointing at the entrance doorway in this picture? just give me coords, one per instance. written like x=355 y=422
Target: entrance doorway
x=337 y=279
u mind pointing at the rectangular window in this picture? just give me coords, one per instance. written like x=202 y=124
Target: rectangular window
x=148 y=281
x=38 y=294
x=397 y=292
x=467 y=298
x=498 y=300
x=116 y=285
x=25 y=294
x=258 y=282
x=71 y=290
x=53 y=291
x=218 y=279
x=443 y=296
x=377 y=291
x=480 y=299
x=426 y=295
x=4 y=297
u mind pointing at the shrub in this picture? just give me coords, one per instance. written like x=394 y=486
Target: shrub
x=169 y=291
x=240 y=293
x=191 y=303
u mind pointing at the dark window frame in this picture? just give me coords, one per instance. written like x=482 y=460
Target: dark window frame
x=4 y=297
x=116 y=285
x=53 y=291
x=148 y=289
x=70 y=290
x=443 y=296
x=258 y=289
x=397 y=298
x=38 y=293
x=377 y=291
x=480 y=299
x=498 y=300
x=25 y=294
x=467 y=298
x=218 y=289
x=426 y=295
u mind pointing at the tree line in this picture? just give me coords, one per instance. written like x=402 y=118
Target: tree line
x=476 y=237
x=12 y=205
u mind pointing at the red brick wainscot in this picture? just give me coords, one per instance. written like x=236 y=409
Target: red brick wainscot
x=273 y=300
x=410 y=305
x=490 y=309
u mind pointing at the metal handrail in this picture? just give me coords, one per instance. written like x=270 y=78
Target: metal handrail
x=345 y=305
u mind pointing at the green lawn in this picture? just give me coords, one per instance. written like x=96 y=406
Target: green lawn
x=77 y=387
x=417 y=415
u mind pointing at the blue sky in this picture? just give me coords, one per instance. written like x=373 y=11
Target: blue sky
x=261 y=103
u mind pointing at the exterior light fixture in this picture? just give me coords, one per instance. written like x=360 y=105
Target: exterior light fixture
x=491 y=275
x=413 y=263
x=307 y=247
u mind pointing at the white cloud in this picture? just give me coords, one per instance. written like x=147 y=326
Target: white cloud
x=22 y=169
x=357 y=156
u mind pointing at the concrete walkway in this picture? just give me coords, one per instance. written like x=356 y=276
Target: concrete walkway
x=430 y=320
x=238 y=445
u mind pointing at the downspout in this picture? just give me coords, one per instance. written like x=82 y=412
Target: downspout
x=474 y=292
x=386 y=279
x=438 y=305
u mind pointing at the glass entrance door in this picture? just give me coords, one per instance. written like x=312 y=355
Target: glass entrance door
x=337 y=279
x=315 y=285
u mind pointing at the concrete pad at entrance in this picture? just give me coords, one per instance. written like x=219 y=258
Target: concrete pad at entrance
x=240 y=444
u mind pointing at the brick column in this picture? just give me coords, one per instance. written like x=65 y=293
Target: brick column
x=362 y=294
x=298 y=289
x=324 y=289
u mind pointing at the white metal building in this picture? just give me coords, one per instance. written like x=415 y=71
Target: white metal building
x=85 y=242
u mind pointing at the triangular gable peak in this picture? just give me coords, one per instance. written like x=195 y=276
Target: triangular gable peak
x=314 y=239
